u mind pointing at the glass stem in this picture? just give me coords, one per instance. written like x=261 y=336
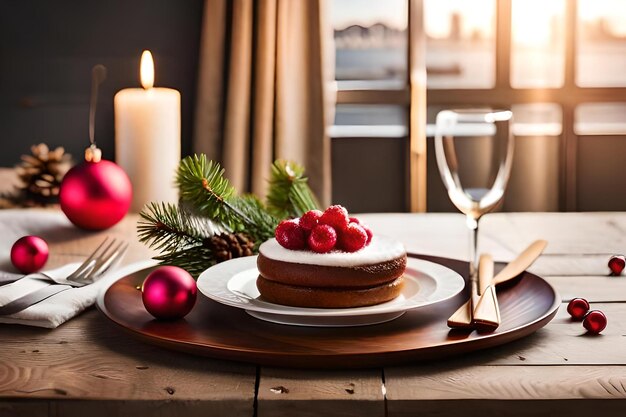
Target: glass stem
x=472 y=224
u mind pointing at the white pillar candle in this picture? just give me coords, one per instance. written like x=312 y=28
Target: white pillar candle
x=147 y=137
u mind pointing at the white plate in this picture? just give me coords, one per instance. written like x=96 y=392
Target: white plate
x=233 y=283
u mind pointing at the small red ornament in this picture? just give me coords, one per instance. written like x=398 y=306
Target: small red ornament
x=616 y=264
x=95 y=194
x=29 y=254
x=595 y=321
x=169 y=293
x=577 y=308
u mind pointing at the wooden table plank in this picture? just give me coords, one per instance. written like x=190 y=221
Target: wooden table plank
x=448 y=382
x=287 y=392
x=483 y=391
x=594 y=289
x=90 y=358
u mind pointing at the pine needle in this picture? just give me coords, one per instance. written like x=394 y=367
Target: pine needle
x=201 y=183
x=289 y=194
x=194 y=260
x=168 y=227
x=263 y=223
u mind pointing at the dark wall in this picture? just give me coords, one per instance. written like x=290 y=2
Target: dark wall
x=47 y=50
x=370 y=174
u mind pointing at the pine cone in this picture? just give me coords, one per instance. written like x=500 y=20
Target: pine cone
x=41 y=174
x=230 y=245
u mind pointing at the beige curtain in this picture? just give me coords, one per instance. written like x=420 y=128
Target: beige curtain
x=266 y=89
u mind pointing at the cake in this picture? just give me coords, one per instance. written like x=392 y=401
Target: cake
x=338 y=266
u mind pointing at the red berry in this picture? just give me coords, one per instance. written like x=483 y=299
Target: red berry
x=335 y=216
x=290 y=235
x=367 y=229
x=616 y=264
x=577 y=308
x=369 y=234
x=322 y=239
x=353 y=238
x=310 y=219
x=595 y=321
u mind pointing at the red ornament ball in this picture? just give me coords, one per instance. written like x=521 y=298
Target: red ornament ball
x=616 y=264
x=577 y=308
x=595 y=321
x=95 y=195
x=29 y=254
x=169 y=293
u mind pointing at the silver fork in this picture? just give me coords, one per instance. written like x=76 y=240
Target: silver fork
x=99 y=262
x=95 y=265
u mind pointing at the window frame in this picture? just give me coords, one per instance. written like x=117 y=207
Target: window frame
x=416 y=97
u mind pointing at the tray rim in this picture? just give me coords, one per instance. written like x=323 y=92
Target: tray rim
x=342 y=360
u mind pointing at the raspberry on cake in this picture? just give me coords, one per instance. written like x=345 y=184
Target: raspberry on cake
x=291 y=235
x=322 y=239
x=353 y=238
x=310 y=219
x=344 y=266
x=335 y=216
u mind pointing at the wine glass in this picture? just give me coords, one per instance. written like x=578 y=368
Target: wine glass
x=474 y=150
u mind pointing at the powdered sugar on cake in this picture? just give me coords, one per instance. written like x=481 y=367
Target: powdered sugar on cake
x=380 y=249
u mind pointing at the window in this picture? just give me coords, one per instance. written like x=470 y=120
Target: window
x=559 y=64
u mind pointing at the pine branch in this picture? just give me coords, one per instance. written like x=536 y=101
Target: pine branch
x=194 y=260
x=168 y=228
x=289 y=194
x=201 y=184
x=262 y=224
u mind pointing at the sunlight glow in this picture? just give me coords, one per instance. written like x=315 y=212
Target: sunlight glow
x=477 y=17
x=611 y=11
x=537 y=22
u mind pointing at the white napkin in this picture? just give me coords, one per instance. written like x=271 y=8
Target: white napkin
x=61 y=307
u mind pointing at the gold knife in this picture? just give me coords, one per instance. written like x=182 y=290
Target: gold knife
x=462 y=318
x=486 y=313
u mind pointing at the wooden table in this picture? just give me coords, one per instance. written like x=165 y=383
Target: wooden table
x=90 y=367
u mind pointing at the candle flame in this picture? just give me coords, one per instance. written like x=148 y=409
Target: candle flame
x=147 y=70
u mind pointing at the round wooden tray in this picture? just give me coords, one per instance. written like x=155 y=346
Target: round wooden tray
x=218 y=331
